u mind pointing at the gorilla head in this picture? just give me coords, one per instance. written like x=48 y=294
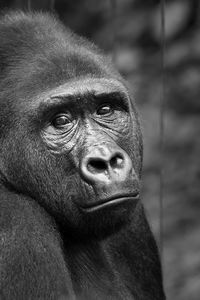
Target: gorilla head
x=70 y=137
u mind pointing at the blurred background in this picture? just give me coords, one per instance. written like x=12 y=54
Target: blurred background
x=131 y=31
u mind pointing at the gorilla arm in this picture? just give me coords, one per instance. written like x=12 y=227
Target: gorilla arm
x=32 y=265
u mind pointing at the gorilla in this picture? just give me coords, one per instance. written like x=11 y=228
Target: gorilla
x=72 y=225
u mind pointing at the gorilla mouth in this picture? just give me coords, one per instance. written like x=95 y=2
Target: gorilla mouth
x=114 y=200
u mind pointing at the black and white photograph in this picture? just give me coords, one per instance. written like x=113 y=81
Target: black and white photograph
x=99 y=150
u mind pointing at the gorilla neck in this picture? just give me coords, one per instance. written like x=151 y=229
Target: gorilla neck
x=121 y=266
x=94 y=274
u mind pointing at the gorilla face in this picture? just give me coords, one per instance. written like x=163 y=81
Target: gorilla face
x=73 y=142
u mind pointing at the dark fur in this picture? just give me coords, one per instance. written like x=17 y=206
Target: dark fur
x=49 y=247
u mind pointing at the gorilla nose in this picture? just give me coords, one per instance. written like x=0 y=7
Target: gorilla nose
x=104 y=165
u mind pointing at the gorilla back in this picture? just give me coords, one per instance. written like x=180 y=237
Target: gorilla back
x=71 y=222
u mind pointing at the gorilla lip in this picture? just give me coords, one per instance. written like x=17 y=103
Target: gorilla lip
x=117 y=199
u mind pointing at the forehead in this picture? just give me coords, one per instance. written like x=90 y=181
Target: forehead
x=74 y=73
x=95 y=86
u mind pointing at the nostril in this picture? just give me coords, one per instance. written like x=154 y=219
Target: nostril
x=97 y=165
x=117 y=161
x=108 y=167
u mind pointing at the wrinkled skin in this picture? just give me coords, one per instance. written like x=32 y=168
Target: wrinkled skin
x=72 y=225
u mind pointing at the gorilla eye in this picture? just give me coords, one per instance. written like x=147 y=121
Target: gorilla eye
x=105 y=109
x=61 y=121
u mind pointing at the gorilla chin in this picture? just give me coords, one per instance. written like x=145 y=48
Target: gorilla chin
x=102 y=219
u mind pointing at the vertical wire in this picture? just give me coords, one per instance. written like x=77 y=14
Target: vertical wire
x=29 y=5
x=52 y=5
x=113 y=7
x=161 y=125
